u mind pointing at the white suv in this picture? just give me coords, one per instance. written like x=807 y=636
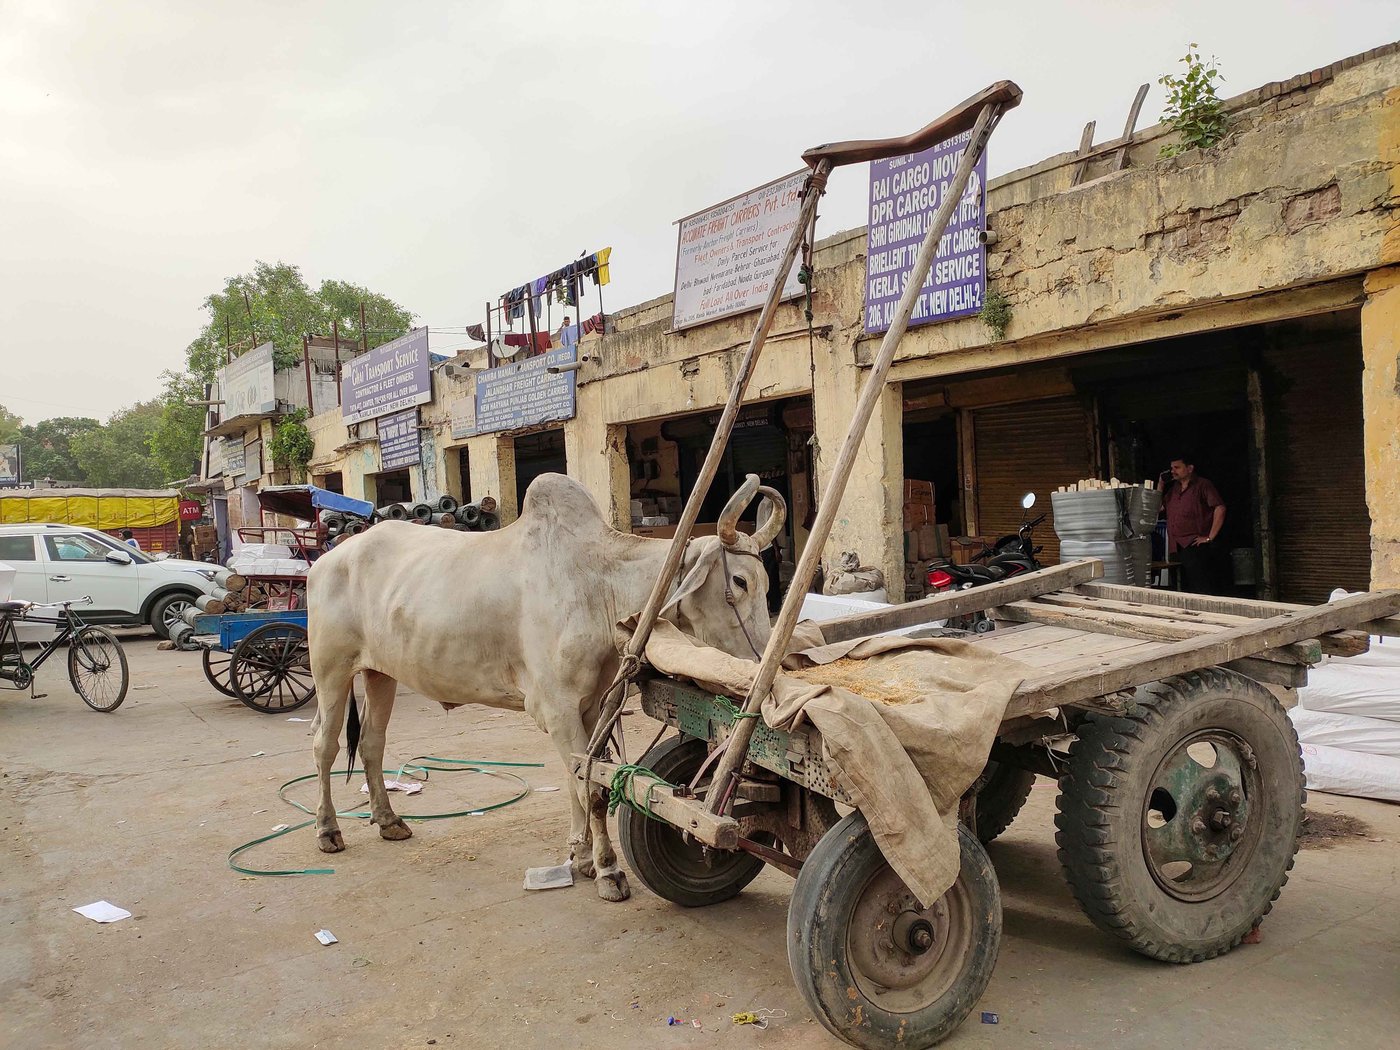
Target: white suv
x=54 y=563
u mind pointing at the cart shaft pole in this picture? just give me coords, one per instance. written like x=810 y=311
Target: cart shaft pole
x=816 y=183
x=781 y=635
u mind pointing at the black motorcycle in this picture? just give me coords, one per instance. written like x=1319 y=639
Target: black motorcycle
x=1011 y=555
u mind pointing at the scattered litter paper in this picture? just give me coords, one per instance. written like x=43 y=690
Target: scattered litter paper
x=326 y=937
x=258 y=754
x=546 y=789
x=103 y=911
x=408 y=787
x=298 y=720
x=281 y=827
x=554 y=878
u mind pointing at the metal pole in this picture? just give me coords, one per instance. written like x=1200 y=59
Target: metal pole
x=364 y=332
x=636 y=645
x=530 y=311
x=335 y=338
x=251 y=327
x=737 y=749
x=306 y=364
x=490 y=354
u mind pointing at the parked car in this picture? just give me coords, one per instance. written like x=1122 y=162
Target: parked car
x=128 y=587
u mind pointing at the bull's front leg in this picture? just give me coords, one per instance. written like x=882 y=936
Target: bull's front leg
x=612 y=881
x=333 y=693
x=561 y=720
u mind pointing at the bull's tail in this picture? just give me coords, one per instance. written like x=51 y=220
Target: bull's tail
x=352 y=733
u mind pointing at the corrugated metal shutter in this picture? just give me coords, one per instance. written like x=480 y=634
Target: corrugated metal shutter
x=1317 y=470
x=1034 y=446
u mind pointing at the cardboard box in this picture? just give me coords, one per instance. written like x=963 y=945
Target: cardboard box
x=911 y=545
x=918 y=492
x=928 y=542
x=966 y=548
x=916 y=515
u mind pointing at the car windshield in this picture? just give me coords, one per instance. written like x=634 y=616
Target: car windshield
x=141 y=557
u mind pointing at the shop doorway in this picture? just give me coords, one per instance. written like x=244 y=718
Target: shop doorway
x=393 y=486
x=537 y=454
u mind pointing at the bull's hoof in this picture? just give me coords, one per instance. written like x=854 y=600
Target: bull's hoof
x=330 y=840
x=613 y=887
x=395 y=831
x=584 y=868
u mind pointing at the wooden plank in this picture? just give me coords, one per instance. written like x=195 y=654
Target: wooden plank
x=960 y=603
x=1062 y=658
x=688 y=814
x=1336 y=643
x=1120 y=158
x=1253 y=607
x=1292 y=675
x=1086 y=146
x=1127 y=672
x=1126 y=625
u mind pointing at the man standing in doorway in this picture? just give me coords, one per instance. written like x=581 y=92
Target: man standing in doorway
x=1195 y=515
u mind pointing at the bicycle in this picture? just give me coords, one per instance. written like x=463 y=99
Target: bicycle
x=96 y=662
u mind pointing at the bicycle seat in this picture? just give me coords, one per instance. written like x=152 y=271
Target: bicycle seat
x=14 y=607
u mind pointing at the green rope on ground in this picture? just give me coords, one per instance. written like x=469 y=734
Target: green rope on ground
x=620 y=792
x=728 y=707
x=423 y=764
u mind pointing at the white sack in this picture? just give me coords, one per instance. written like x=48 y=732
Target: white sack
x=1373 y=736
x=1353 y=687
x=1351 y=773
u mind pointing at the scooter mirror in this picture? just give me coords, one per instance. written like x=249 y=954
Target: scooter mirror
x=1028 y=500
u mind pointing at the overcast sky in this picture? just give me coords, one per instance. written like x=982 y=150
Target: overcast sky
x=441 y=153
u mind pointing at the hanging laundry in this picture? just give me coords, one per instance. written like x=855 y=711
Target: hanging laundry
x=601 y=275
x=475 y=331
x=537 y=288
x=595 y=323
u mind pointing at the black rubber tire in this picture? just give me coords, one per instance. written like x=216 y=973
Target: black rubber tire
x=97 y=668
x=1102 y=813
x=829 y=889
x=162 y=606
x=1000 y=798
x=668 y=865
x=217 y=667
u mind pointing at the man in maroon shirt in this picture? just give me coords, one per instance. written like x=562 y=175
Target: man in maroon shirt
x=1195 y=515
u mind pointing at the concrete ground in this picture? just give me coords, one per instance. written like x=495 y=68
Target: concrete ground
x=439 y=945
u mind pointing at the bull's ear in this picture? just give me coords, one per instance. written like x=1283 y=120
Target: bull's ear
x=772 y=514
x=727 y=528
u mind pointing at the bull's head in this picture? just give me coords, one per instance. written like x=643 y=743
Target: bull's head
x=724 y=592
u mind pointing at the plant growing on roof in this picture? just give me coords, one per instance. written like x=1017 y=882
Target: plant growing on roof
x=291 y=445
x=996 y=313
x=1193 y=109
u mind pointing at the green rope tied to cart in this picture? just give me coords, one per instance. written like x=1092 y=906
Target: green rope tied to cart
x=620 y=792
x=728 y=707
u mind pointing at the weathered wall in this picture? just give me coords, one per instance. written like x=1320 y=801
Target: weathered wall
x=1380 y=398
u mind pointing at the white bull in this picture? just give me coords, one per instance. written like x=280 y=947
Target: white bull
x=522 y=618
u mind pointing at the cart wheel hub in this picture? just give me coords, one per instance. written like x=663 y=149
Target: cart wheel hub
x=913 y=933
x=1196 y=815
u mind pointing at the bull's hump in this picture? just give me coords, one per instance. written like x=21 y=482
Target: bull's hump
x=562 y=503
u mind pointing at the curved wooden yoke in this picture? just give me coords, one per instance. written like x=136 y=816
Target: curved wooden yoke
x=958 y=119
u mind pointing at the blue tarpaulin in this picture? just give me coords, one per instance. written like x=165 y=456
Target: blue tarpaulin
x=302 y=501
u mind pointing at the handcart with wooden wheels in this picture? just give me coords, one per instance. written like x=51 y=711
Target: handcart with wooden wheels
x=1181 y=780
x=260 y=658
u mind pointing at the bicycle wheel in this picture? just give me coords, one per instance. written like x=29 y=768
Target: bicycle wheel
x=97 y=668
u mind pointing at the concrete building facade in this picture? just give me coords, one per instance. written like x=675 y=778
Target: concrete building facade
x=1242 y=301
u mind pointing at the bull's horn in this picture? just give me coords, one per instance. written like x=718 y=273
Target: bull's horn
x=769 y=529
x=727 y=529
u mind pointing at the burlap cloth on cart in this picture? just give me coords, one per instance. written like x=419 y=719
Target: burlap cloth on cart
x=907 y=723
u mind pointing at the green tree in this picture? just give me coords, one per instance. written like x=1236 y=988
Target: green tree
x=274 y=303
x=119 y=454
x=177 y=442
x=10 y=425
x=48 y=448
